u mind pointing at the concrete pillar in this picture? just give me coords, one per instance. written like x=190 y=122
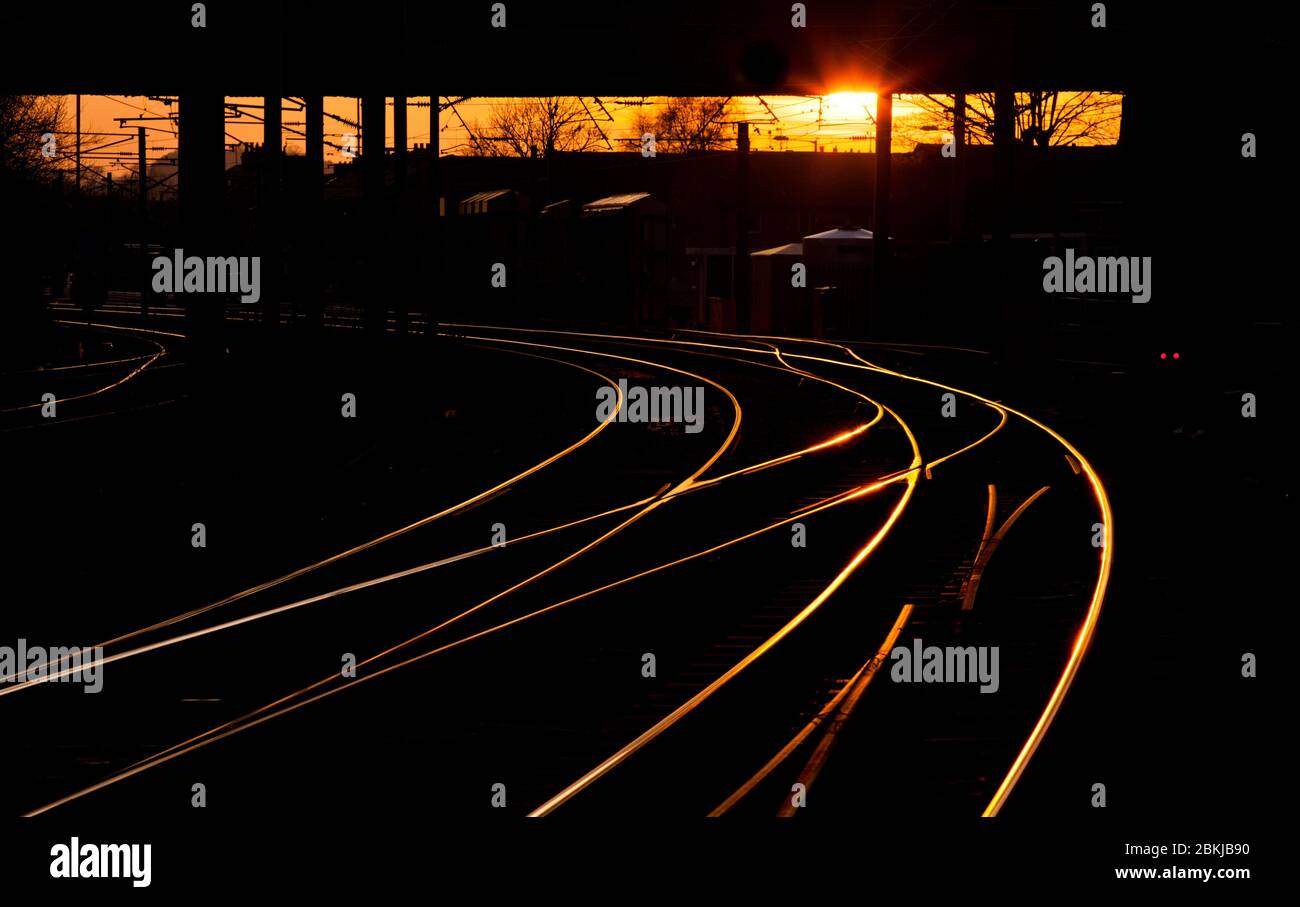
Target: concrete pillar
x=400 y=221
x=957 y=172
x=202 y=163
x=271 y=239
x=399 y=145
x=741 y=267
x=372 y=203
x=310 y=281
x=1004 y=140
x=201 y=159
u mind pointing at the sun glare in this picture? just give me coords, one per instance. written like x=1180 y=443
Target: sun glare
x=849 y=105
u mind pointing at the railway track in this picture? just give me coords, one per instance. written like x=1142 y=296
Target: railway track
x=752 y=636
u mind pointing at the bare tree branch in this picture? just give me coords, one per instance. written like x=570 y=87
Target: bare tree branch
x=536 y=127
x=1042 y=117
x=688 y=125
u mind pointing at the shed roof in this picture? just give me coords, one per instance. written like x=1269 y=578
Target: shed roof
x=793 y=249
x=616 y=202
x=844 y=233
x=483 y=202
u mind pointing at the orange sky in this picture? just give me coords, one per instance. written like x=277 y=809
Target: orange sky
x=841 y=121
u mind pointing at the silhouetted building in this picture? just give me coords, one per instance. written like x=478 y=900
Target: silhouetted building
x=624 y=257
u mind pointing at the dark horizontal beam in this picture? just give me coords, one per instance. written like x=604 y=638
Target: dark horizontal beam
x=628 y=47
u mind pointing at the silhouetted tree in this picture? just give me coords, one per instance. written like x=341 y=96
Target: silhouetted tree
x=26 y=122
x=688 y=125
x=536 y=127
x=1043 y=118
x=35 y=214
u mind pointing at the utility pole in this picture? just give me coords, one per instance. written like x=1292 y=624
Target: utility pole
x=78 y=147
x=957 y=188
x=141 y=164
x=435 y=211
x=880 y=226
x=142 y=201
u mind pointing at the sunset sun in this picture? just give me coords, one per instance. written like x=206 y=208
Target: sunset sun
x=849 y=105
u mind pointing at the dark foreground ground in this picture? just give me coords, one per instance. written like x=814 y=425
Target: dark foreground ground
x=100 y=509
